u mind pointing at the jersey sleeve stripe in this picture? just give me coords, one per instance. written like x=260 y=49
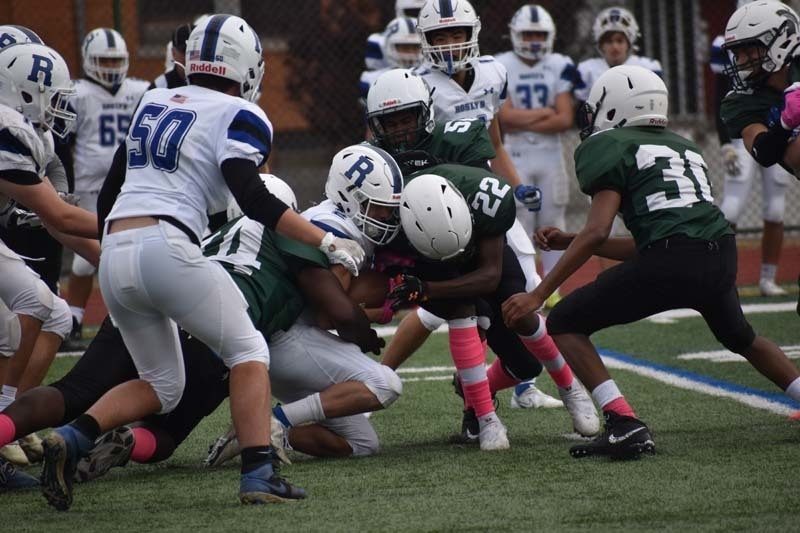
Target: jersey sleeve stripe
x=9 y=143
x=246 y=127
x=326 y=227
x=374 y=50
x=569 y=72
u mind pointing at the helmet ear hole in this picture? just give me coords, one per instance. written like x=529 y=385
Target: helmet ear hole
x=610 y=114
x=26 y=97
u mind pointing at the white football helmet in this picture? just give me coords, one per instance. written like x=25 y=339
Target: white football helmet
x=100 y=44
x=408 y=8
x=13 y=34
x=530 y=18
x=399 y=90
x=616 y=19
x=362 y=177
x=276 y=186
x=35 y=80
x=773 y=28
x=443 y=14
x=402 y=31
x=625 y=96
x=435 y=217
x=226 y=46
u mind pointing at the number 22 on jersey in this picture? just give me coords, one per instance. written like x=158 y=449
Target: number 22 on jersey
x=157 y=136
x=490 y=196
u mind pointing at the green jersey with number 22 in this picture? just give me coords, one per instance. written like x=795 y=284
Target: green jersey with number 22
x=490 y=198
x=661 y=177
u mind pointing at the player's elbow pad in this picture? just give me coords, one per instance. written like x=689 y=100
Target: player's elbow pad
x=769 y=146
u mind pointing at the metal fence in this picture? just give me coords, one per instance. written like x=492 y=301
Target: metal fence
x=315 y=51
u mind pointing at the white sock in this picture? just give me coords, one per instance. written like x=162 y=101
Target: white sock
x=768 y=272
x=309 y=409
x=77 y=313
x=793 y=390
x=606 y=392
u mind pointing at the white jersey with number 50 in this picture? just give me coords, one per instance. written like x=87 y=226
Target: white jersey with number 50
x=101 y=124
x=177 y=142
x=482 y=101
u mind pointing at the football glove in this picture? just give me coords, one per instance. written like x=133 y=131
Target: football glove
x=730 y=159
x=790 y=116
x=409 y=290
x=345 y=252
x=529 y=196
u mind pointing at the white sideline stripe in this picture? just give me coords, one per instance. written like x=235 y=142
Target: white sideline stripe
x=668 y=317
x=696 y=386
x=726 y=356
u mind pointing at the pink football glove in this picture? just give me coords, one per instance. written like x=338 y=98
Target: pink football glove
x=790 y=116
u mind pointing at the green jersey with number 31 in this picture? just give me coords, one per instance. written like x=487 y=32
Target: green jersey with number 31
x=490 y=198
x=262 y=263
x=661 y=177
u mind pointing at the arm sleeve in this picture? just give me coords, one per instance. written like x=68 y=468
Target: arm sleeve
x=721 y=88
x=111 y=186
x=57 y=175
x=63 y=148
x=250 y=193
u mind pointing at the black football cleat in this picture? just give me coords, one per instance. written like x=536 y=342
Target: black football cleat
x=624 y=437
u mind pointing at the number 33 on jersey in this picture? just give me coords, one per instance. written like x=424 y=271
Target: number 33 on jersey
x=661 y=177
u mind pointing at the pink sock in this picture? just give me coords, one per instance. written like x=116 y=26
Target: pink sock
x=541 y=345
x=144 y=445
x=498 y=378
x=469 y=358
x=7 y=430
x=620 y=406
x=482 y=398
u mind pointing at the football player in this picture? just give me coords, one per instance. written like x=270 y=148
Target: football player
x=403 y=50
x=466 y=85
x=467 y=218
x=34 y=92
x=539 y=107
x=154 y=276
x=175 y=75
x=759 y=44
x=375 y=56
x=104 y=102
x=615 y=33
x=23 y=232
x=271 y=272
x=682 y=253
x=401 y=119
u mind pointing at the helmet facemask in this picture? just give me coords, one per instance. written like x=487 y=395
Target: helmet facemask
x=587 y=116
x=403 y=139
x=755 y=70
x=53 y=107
x=378 y=230
x=454 y=57
x=107 y=76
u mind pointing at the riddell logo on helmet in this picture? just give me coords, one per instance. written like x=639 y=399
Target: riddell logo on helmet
x=387 y=103
x=207 y=68
x=658 y=122
x=445 y=21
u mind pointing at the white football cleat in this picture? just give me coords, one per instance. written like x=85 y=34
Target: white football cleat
x=279 y=439
x=581 y=409
x=14 y=454
x=493 y=436
x=527 y=396
x=223 y=449
x=768 y=287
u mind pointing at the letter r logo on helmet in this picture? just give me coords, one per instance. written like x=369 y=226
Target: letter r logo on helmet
x=363 y=166
x=41 y=64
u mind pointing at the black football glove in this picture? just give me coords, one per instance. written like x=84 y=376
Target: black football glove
x=409 y=290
